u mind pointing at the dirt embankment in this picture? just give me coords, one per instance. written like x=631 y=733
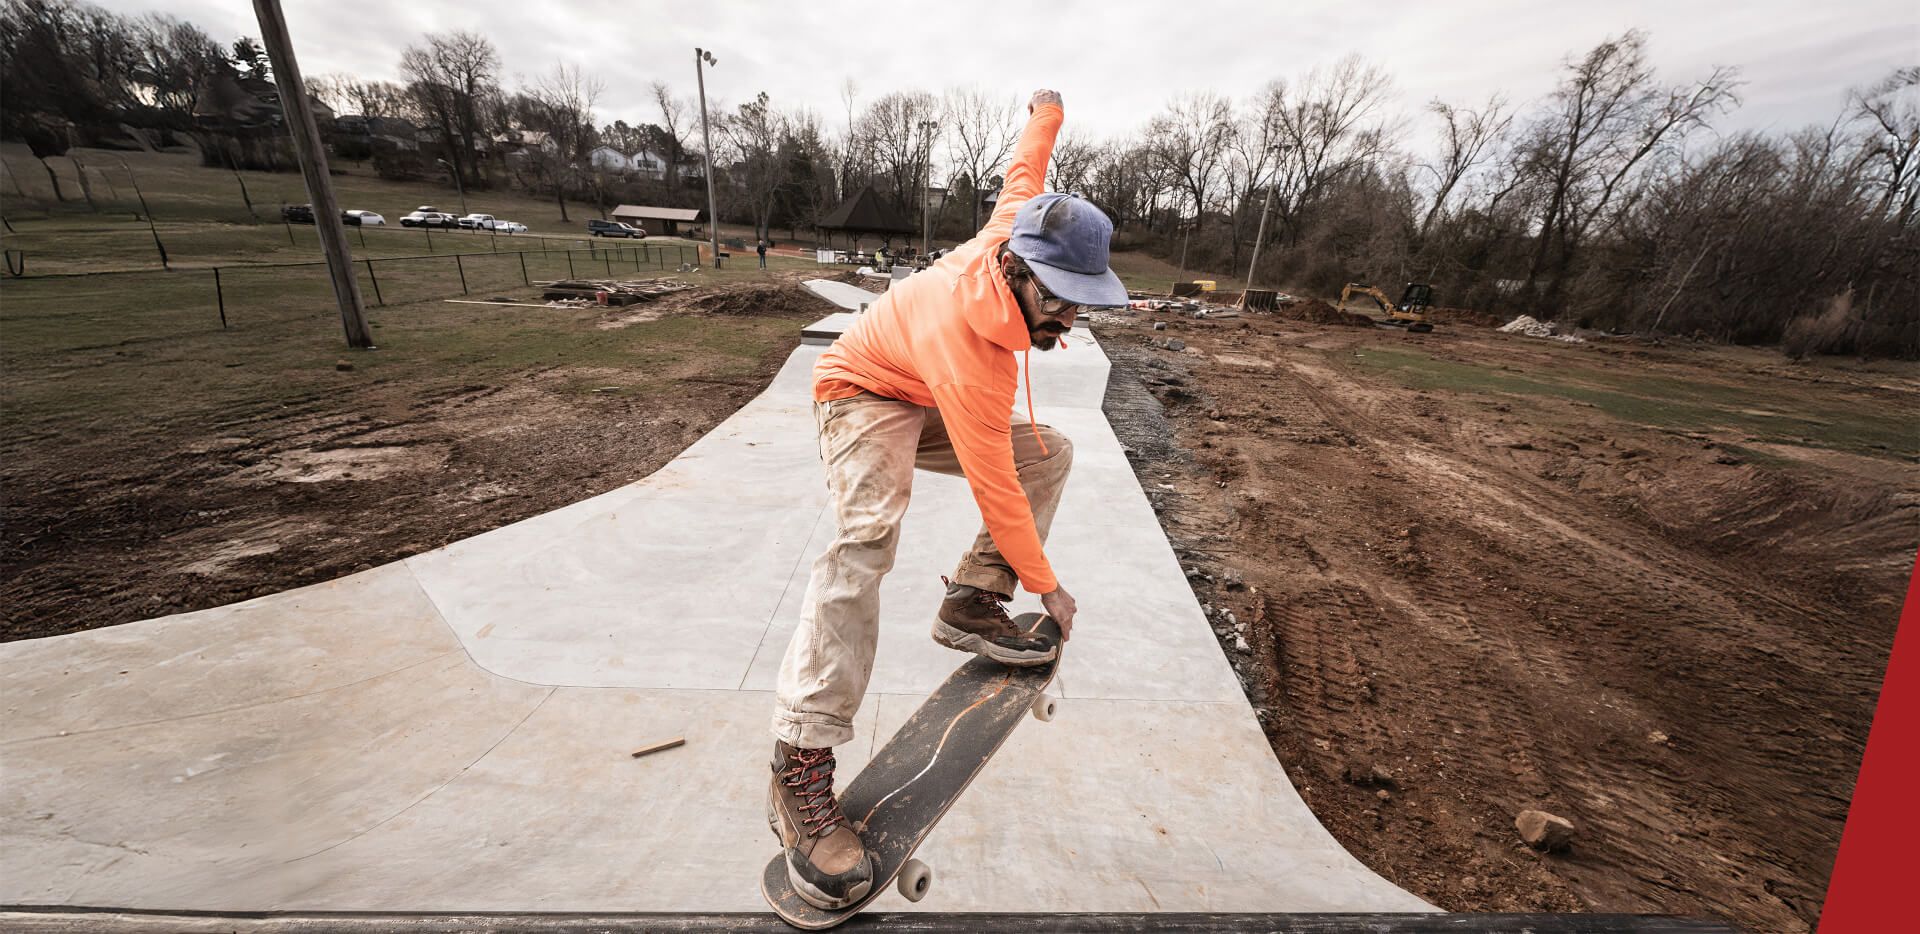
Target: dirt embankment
x=1459 y=605
x=282 y=492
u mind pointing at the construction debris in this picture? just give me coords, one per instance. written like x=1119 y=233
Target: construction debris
x=656 y=747
x=611 y=291
x=1530 y=326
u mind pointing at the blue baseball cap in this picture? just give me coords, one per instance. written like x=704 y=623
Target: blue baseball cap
x=1064 y=239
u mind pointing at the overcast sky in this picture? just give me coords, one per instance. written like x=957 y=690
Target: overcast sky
x=1115 y=63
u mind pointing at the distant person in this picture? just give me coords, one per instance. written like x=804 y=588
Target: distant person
x=927 y=378
x=761 y=249
x=880 y=259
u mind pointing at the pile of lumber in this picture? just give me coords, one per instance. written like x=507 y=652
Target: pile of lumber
x=616 y=291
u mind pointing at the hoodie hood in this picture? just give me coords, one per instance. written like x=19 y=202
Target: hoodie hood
x=1000 y=322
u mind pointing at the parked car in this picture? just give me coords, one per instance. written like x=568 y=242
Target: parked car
x=363 y=218
x=297 y=213
x=600 y=228
x=511 y=227
x=478 y=222
x=427 y=218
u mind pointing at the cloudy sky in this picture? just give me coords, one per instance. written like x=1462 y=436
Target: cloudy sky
x=1115 y=63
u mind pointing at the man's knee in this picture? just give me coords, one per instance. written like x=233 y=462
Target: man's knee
x=1058 y=448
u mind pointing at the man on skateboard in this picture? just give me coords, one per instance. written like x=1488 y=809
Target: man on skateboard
x=927 y=379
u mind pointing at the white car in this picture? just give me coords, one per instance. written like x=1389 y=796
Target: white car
x=426 y=218
x=511 y=227
x=367 y=219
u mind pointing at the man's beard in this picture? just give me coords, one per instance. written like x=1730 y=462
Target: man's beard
x=1047 y=336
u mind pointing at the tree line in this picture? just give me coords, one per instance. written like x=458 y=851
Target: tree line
x=1616 y=201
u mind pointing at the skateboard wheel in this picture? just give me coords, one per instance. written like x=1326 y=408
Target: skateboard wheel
x=914 y=881
x=1043 y=708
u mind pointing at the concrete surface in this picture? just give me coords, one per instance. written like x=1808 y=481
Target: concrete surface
x=844 y=294
x=452 y=732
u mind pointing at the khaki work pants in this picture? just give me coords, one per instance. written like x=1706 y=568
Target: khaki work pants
x=870 y=445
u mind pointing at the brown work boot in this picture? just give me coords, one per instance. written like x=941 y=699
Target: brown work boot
x=826 y=862
x=973 y=620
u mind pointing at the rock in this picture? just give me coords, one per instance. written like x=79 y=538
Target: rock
x=342 y=365
x=1384 y=795
x=1543 y=831
x=1240 y=645
x=1364 y=772
x=1174 y=343
x=1233 y=580
x=1159 y=325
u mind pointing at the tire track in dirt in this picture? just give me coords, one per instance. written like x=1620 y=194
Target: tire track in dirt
x=1500 y=612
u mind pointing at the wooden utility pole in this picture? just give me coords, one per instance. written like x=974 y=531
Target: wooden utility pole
x=298 y=113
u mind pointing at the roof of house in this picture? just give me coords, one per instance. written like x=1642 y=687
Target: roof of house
x=645 y=212
x=867 y=212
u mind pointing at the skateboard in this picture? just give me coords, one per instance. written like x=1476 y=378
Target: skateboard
x=911 y=782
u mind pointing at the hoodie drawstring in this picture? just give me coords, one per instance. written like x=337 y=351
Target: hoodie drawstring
x=1027 y=361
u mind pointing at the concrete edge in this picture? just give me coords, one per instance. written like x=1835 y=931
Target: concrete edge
x=39 y=919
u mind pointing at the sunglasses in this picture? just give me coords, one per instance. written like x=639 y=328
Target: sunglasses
x=1051 y=305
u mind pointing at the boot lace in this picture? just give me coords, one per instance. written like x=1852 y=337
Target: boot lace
x=992 y=603
x=810 y=776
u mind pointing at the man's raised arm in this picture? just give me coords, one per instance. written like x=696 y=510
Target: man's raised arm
x=1027 y=174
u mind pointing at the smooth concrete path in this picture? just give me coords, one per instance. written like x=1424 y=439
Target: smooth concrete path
x=453 y=731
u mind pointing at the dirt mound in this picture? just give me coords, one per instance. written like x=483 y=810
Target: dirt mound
x=771 y=300
x=1468 y=316
x=1315 y=311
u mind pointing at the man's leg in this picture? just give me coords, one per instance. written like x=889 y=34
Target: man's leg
x=971 y=617
x=1043 y=475
x=867 y=444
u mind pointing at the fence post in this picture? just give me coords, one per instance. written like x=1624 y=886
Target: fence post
x=220 y=296
x=363 y=235
x=609 y=262
x=429 y=231
x=523 y=269
x=457 y=264
x=570 y=273
x=376 y=283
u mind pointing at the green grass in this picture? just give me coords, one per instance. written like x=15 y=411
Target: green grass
x=1837 y=420
x=1145 y=273
x=144 y=349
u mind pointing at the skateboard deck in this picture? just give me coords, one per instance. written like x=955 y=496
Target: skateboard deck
x=911 y=782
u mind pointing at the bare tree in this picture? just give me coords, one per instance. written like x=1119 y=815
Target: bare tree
x=980 y=131
x=1607 y=116
x=1468 y=138
x=451 y=76
x=892 y=127
x=754 y=134
x=1188 y=142
x=674 y=125
x=1330 y=126
x=559 y=107
x=1893 y=139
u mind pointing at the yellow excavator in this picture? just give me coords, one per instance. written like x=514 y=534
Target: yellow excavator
x=1410 y=311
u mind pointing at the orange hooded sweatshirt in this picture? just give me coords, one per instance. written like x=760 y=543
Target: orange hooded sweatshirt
x=946 y=337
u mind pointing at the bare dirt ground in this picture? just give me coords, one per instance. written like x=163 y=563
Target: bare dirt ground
x=278 y=491
x=1470 y=585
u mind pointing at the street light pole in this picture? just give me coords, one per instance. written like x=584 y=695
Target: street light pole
x=701 y=58
x=926 y=189
x=1261 y=231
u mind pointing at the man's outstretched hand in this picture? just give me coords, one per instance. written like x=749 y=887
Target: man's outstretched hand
x=1044 y=96
x=1059 y=603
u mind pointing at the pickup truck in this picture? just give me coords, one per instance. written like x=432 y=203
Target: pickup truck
x=479 y=222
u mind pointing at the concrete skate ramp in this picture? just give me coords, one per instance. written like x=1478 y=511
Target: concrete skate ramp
x=453 y=732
